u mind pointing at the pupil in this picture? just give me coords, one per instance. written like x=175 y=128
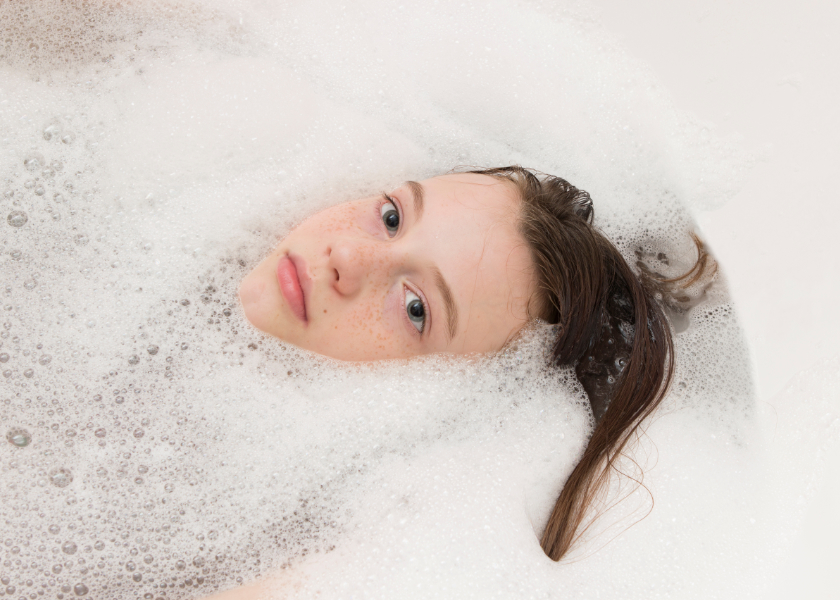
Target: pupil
x=415 y=309
x=392 y=219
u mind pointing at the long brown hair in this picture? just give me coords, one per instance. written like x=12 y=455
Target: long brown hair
x=610 y=327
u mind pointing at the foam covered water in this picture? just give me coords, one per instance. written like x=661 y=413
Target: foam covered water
x=157 y=446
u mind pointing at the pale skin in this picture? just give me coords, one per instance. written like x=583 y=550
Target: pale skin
x=454 y=249
x=436 y=266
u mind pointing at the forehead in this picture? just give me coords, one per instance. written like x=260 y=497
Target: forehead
x=491 y=196
x=469 y=230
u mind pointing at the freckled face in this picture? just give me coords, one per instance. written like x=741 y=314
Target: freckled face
x=435 y=266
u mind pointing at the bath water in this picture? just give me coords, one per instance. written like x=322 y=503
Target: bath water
x=154 y=445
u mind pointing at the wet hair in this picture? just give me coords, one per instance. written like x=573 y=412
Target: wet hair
x=610 y=328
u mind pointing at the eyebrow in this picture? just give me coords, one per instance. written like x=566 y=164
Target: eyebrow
x=448 y=302
x=417 y=192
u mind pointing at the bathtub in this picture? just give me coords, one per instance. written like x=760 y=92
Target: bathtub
x=190 y=139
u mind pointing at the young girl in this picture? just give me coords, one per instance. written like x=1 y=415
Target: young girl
x=459 y=264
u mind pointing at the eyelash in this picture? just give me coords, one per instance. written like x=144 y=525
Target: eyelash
x=392 y=201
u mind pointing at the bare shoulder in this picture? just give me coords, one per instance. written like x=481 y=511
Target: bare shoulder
x=269 y=589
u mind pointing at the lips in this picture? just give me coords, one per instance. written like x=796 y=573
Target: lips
x=289 y=278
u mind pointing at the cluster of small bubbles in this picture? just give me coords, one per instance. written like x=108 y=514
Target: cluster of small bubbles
x=17 y=218
x=19 y=437
x=61 y=477
x=52 y=131
x=34 y=162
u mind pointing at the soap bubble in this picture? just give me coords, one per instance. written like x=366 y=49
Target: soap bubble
x=4 y=357
x=68 y=547
x=80 y=589
x=61 y=477
x=152 y=349
x=133 y=359
x=30 y=284
x=18 y=437
x=44 y=359
x=34 y=162
x=17 y=218
x=52 y=131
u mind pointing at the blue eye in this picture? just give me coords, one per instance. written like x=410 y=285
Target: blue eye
x=390 y=217
x=415 y=310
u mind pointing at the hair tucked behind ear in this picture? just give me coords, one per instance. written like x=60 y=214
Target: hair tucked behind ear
x=610 y=328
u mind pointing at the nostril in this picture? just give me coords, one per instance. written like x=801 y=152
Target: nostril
x=337 y=276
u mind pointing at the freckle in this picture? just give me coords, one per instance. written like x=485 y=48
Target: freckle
x=325 y=311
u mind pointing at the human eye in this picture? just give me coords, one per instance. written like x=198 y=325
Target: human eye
x=416 y=310
x=390 y=215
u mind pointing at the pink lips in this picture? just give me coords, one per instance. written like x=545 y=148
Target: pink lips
x=289 y=279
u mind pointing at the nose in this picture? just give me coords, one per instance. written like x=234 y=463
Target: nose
x=355 y=264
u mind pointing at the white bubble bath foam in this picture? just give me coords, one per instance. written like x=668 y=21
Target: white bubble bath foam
x=154 y=445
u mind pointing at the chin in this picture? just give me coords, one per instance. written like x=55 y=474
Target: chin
x=256 y=305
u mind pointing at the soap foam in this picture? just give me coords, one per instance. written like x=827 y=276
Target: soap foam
x=157 y=446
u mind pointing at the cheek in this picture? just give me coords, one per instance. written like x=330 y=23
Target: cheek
x=337 y=220
x=361 y=332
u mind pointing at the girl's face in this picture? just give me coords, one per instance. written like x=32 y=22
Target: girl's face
x=434 y=266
